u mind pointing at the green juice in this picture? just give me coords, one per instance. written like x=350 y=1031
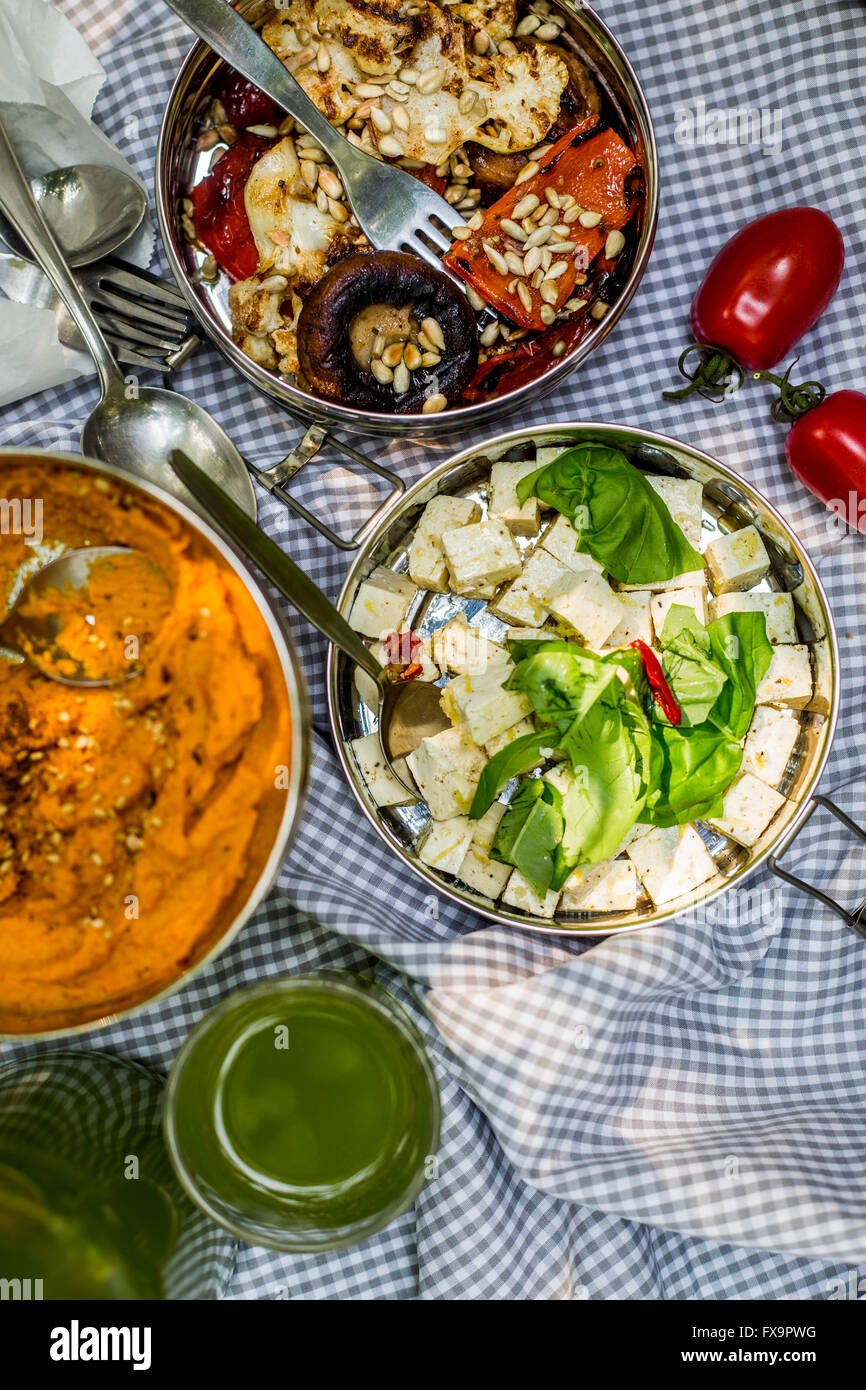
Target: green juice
x=300 y=1113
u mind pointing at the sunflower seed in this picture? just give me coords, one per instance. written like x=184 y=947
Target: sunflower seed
x=599 y=309
x=331 y=184
x=383 y=374
x=480 y=109
x=461 y=233
x=490 y=334
x=305 y=56
x=532 y=259
x=572 y=214
x=389 y=147
x=614 y=244
x=547 y=32
x=378 y=345
x=527 y=25
x=481 y=42
x=524 y=296
x=312 y=152
x=412 y=357
x=430 y=81
x=560 y=229
x=515 y=263
x=323 y=58
x=558 y=348
x=369 y=89
x=400 y=117
x=589 y=219
x=529 y=170
x=401 y=379
x=431 y=359
x=548 y=218
x=381 y=120
x=538 y=279
x=207 y=139
x=321 y=200
x=309 y=173
x=557 y=269
x=508 y=48
x=475 y=299
x=431 y=327
x=476 y=221
x=562 y=245
x=393 y=355
x=466 y=101
x=434 y=404
x=338 y=210
x=512 y=229
x=552 y=197
x=267 y=132
x=547 y=314
x=227 y=134
x=526 y=206
x=549 y=291
x=398 y=90
x=496 y=260
x=408 y=75
x=209 y=269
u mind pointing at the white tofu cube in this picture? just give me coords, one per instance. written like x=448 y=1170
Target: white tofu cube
x=518 y=730
x=610 y=887
x=481 y=555
x=482 y=705
x=426 y=557
x=788 y=680
x=683 y=498
x=560 y=539
x=523 y=600
x=532 y=634
x=446 y=843
x=483 y=874
x=520 y=894
x=636 y=624
x=586 y=603
x=694 y=579
x=447 y=768
x=696 y=599
x=822 y=699
x=671 y=861
x=749 y=807
x=384 y=787
x=382 y=603
x=806 y=597
x=504 y=477
x=460 y=649
x=770 y=743
x=488 y=824
x=737 y=561
x=546 y=454
x=778 y=611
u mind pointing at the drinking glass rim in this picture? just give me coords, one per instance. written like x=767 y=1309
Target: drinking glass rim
x=343 y=982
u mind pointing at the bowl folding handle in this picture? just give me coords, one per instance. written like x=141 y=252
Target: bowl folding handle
x=276 y=477
x=856 y=920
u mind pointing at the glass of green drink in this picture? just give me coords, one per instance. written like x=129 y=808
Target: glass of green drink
x=303 y=1113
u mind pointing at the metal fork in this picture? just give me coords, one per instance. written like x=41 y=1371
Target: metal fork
x=145 y=319
x=394 y=210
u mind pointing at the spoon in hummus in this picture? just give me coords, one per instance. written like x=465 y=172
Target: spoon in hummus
x=85 y=618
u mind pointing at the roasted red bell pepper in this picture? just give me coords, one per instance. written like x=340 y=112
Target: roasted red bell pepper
x=220 y=212
x=602 y=175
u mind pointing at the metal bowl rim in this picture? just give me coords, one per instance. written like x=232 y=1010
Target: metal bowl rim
x=310 y=408
x=508 y=440
x=296 y=693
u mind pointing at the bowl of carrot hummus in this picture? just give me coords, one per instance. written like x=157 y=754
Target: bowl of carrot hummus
x=140 y=823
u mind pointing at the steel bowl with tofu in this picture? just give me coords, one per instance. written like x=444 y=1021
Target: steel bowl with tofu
x=681 y=628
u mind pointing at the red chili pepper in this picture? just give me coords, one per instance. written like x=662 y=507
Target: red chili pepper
x=657 y=683
x=401 y=651
x=601 y=173
x=766 y=287
x=220 y=212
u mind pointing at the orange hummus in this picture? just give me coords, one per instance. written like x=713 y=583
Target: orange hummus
x=135 y=819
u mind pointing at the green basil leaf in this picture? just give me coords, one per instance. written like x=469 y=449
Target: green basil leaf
x=529 y=832
x=694 y=677
x=512 y=761
x=691 y=771
x=619 y=519
x=741 y=648
x=562 y=684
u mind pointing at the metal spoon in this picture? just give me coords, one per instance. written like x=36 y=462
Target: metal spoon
x=408 y=711
x=38 y=639
x=134 y=427
x=91 y=209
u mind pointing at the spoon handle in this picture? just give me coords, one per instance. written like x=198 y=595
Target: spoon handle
x=22 y=210
x=283 y=573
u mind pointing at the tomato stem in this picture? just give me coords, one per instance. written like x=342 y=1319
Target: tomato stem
x=716 y=376
x=793 y=401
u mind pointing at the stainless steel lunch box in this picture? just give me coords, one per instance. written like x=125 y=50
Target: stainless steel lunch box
x=729 y=501
x=179 y=166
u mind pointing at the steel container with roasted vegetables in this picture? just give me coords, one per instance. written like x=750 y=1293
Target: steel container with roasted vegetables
x=638 y=663
x=526 y=117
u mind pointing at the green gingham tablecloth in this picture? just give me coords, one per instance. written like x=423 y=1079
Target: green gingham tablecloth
x=678 y=1114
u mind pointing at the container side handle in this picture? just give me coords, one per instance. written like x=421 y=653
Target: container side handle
x=854 y=919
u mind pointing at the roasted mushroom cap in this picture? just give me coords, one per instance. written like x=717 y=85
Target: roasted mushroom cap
x=496 y=173
x=338 y=318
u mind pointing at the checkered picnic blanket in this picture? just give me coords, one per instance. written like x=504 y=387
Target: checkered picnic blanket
x=677 y=1114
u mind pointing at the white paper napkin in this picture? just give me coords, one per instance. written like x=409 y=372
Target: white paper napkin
x=49 y=80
